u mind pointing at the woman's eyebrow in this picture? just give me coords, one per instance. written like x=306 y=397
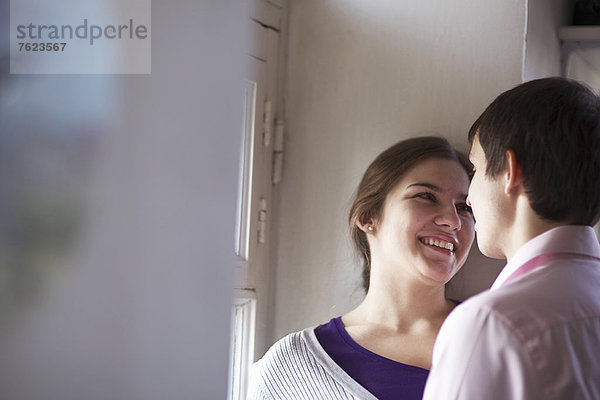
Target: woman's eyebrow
x=434 y=188
x=427 y=185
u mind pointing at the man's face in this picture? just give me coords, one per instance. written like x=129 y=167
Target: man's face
x=486 y=197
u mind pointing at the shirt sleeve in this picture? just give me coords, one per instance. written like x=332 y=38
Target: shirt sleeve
x=478 y=356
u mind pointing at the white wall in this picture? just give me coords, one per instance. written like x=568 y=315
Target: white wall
x=542 y=56
x=362 y=76
x=140 y=308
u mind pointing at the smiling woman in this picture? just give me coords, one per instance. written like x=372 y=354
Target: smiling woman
x=388 y=169
x=427 y=204
x=412 y=226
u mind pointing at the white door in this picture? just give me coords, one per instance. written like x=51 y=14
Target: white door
x=253 y=276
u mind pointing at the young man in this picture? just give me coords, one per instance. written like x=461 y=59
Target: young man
x=535 y=195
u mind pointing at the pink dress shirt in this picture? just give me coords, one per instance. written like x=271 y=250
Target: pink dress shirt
x=535 y=334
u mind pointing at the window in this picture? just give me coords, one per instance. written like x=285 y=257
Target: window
x=242 y=343
x=242 y=226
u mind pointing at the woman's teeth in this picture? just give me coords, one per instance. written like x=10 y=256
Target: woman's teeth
x=439 y=243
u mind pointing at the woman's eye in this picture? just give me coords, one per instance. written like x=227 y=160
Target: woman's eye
x=464 y=207
x=426 y=196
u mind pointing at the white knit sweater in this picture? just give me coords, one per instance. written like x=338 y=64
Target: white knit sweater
x=297 y=367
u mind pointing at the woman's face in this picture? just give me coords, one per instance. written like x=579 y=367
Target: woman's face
x=425 y=230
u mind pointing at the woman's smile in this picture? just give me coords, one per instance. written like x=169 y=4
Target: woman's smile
x=442 y=243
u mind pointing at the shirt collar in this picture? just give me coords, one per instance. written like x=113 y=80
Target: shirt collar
x=577 y=239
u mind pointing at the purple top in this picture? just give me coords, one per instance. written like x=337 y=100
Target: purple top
x=384 y=378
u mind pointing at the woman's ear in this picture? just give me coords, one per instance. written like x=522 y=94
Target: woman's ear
x=513 y=175
x=367 y=227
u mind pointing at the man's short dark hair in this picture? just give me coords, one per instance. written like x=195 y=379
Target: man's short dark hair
x=553 y=126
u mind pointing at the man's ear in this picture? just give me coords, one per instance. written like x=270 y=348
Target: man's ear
x=513 y=175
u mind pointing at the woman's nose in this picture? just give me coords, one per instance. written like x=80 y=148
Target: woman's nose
x=449 y=217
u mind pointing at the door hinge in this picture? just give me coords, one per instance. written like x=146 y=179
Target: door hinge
x=267 y=123
x=262 y=221
x=278 y=152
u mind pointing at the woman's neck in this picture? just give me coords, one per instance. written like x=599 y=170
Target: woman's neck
x=401 y=307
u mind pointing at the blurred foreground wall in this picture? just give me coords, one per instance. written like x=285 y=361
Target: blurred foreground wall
x=117 y=195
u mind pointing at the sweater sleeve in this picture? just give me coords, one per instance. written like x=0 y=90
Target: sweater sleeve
x=290 y=371
x=256 y=389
